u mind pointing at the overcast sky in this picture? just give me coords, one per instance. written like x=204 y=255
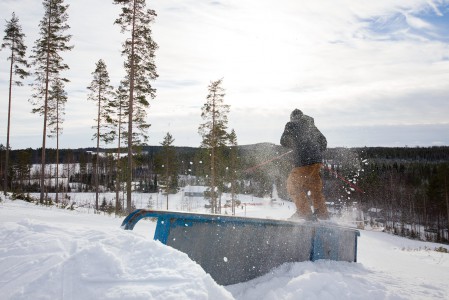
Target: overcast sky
x=371 y=73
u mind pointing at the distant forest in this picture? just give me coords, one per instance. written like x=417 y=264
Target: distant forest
x=437 y=154
x=403 y=188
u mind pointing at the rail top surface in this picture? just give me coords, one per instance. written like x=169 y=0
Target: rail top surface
x=132 y=219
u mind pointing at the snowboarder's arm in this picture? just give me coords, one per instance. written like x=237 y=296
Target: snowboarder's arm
x=322 y=141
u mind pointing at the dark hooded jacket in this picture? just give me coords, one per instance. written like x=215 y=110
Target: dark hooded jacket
x=305 y=139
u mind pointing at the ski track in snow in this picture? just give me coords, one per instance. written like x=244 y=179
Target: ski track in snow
x=49 y=253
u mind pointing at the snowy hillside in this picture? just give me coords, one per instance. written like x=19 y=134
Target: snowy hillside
x=50 y=253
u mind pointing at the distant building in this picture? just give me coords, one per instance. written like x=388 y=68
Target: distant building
x=195 y=191
x=375 y=212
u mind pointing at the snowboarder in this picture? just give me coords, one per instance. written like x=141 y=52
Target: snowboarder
x=304 y=182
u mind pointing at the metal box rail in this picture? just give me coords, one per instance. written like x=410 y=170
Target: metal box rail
x=236 y=249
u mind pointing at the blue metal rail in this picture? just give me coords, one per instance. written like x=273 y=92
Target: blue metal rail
x=236 y=249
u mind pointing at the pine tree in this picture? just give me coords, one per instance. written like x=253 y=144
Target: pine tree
x=101 y=93
x=48 y=65
x=168 y=157
x=83 y=171
x=120 y=113
x=214 y=113
x=22 y=168
x=233 y=158
x=13 y=40
x=139 y=51
x=57 y=98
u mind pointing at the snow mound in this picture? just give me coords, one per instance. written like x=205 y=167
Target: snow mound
x=322 y=279
x=40 y=260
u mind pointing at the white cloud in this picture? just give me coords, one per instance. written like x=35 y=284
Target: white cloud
x=417 y=23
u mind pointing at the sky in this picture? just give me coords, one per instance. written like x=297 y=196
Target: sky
x=371 y=73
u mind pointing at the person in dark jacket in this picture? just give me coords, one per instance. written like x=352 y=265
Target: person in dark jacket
x=304 y=182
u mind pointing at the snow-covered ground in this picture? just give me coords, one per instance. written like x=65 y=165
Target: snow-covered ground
x=51 y=253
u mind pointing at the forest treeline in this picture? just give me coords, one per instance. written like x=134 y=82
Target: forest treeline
x=404 y=189
x=434 y=154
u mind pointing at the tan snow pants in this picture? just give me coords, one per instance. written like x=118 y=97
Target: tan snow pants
x=304 y=181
